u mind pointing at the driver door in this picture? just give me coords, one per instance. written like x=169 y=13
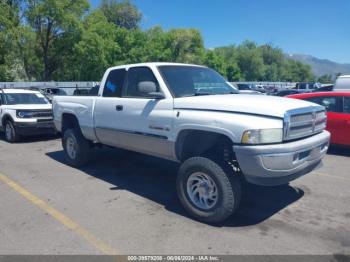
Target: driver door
x=136 y=120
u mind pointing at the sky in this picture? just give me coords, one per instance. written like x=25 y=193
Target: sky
x=314 y=27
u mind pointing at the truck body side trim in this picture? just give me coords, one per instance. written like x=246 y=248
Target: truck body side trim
x=133 y=132
x=150 y=144
x=226 y=111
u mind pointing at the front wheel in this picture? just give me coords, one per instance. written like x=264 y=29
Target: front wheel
x=76 y=147
x=11 y=135
x=209 y=190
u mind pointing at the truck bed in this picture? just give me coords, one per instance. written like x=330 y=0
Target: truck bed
x=80 y=106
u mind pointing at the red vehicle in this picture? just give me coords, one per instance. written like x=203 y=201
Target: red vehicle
x=338 y=113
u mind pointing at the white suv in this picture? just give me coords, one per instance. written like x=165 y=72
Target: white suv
x=24 y=112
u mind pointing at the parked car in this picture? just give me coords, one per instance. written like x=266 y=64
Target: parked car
x=259 y=88
x=23 y=113
x=48 y=92
x=94 y=90
x=246 y=89
x=191 y=115
x=81 y=92
x=286 y=92
x=324 y=88
x=342 y=83
x=338 y=113
x=304 y=87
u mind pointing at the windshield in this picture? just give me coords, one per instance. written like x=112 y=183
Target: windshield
x=25 y=98
x=192 y=81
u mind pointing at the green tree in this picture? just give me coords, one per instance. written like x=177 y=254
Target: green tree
x=233 y=73
x=9 y=21
x=121 y=13
x=273 y=62
x=295 y=71
x=27 y=50
x=94 y=52
x=250 y=61
x=157 y=46
x=325 y=79
x=58 y=39
x=214 y=61
x=133 y=46
x=229 y=53
x=265 y=62
x=186 y=45
x=57 y=25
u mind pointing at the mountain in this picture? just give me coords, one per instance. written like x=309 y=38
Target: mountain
x=322 y=66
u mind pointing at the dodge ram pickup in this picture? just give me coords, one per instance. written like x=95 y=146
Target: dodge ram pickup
x=190 y=114
x=24 y=112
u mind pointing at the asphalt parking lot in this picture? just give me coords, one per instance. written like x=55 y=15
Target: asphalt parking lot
x=126 y=203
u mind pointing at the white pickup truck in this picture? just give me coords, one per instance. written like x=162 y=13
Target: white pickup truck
x=190 y=114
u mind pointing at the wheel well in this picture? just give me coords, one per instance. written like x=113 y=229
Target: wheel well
x=69 y=121
x=195 y=143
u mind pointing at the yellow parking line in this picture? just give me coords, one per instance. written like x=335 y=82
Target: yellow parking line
x=66 y=221
x=334 y=176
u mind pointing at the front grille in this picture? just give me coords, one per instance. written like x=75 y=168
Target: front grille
x=304 y=122
x=42 y=114
x=44 y=120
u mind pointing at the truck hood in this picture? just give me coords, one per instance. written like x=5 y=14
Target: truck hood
x=29 y=107
x=240 y=103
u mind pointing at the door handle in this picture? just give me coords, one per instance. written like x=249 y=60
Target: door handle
x=119 y=108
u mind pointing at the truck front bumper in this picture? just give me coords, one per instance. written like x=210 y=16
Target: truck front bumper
x=278 y=164
x=35 y=128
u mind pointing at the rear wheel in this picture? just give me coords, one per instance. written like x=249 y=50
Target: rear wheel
x=209 y=190
x=76 y=147
x=11 y=135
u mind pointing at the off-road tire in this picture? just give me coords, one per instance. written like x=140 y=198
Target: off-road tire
x=82 y=147
x=227 y=183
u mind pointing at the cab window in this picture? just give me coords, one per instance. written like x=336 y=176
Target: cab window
x=114 y=83
x=135 y=76
x=331 y=103
x=346 y=106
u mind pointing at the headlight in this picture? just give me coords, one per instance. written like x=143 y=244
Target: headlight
x=24 y=114
x=262 y=136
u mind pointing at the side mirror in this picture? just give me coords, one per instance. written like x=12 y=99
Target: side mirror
x=149 y=88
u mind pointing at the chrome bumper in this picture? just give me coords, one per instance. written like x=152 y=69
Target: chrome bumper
x=278 y=164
